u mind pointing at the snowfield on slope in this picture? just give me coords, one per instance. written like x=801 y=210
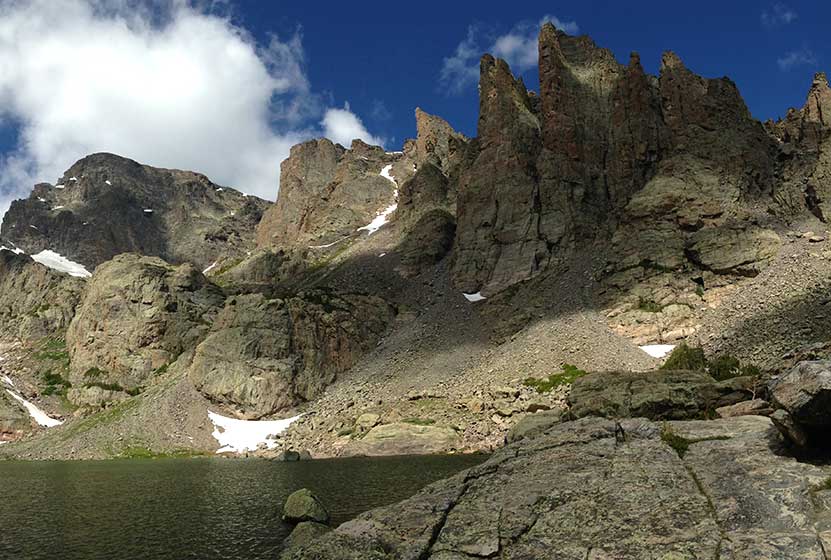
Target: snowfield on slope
x=657 y=350
x=37 y=414
x=239 y=436
x=62 y=264
x=383 y=216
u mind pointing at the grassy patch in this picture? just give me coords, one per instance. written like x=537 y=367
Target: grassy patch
x=419 y=421
x=54 y=383
x=94 y=373
x=106 y=417
x=681 y=444
x=649 y=305
x=141 y=452
x=825 y=485
x=686 y=357
x=546 y=384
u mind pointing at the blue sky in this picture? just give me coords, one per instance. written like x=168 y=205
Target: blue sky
x=227 y=89
x=392 y=54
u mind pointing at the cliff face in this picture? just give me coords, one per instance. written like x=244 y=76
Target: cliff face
x=105 y=205
x=562 y=170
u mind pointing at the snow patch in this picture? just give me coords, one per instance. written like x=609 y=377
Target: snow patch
x=238 y=436
x=8 y=380
x=657 y=350
x=210 y=268
x=73 y=178
x=57 y=207
x=148 y=210
x=474 y=297
x=16 y=250
x=60 y=186
x=108 y=182
x=381 y=255
x=33 y=227
x=220 y=189
x=62 y=264
x=37 y=414
x=383 y=216
x=328 y=244
x=41 y=199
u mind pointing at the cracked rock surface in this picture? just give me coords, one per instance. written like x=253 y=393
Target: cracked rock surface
x=600 y=489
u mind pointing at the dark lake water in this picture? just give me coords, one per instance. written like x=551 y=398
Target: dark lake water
x=188 y=508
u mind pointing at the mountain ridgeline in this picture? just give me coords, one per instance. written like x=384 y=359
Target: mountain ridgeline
x=612 y=208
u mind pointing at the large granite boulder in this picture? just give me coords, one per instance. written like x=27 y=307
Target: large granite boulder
x=403 y=438
x=601 y=489
x=264 y=355
x=657 y=395
x=106 y=204
x=302 y=506
x=137 y=315
x=804 y=393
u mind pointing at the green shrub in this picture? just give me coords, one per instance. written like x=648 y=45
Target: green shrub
x=419 y=421
x=105 y=386
x=546 y=384
x=680 y=444
x=54 y=383
x=94 y=373
x=685 y=357
x=649 y=306
x=720 y=368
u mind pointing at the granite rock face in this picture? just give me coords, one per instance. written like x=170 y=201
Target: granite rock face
x=137 y=315
x=106 y=204
x=265 y=355
x=326 y=193
x=35 y=301
x=597 y=489
x=671 y=172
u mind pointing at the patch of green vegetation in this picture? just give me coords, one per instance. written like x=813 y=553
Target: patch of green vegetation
x=649 y=306
x=824 y=485
x=546 y=384
x=681 y=444
x=106 y=417
x=347 y=431
x=228 y=266
x=52 y=349
x=54 y=383
x=686 y=357
x=699 y=291
x=652 y=265
x=105 y=386
x=720 y=368
x=141 y=452
x=161 y=370
x=419 y=421
x=94 y=373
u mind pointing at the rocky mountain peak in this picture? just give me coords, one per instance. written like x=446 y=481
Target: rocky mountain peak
x=818 y=105
x=106 y=204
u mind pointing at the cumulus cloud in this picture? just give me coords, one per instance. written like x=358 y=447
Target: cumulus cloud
x=342 y=126
x=518 y=47
x=165 y=82
x=778 y=14
x=800 y=57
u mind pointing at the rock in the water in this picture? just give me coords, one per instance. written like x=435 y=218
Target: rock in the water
x=657 y=395
x=402 y=438
x=600 y=489
x=302 y=505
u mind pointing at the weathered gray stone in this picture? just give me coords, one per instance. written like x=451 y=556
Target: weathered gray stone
x=302 y=505
x=532 y=425
x=805 y=392
x=402 y=438
x=658 y=395
x=601 y=489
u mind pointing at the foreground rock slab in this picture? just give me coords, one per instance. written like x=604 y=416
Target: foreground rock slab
x=599 y=489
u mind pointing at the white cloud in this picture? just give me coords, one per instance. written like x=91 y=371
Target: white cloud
x=518 y=48
x=342 y=126
x=159 y=81
x=778 y=14
x=801 y=57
